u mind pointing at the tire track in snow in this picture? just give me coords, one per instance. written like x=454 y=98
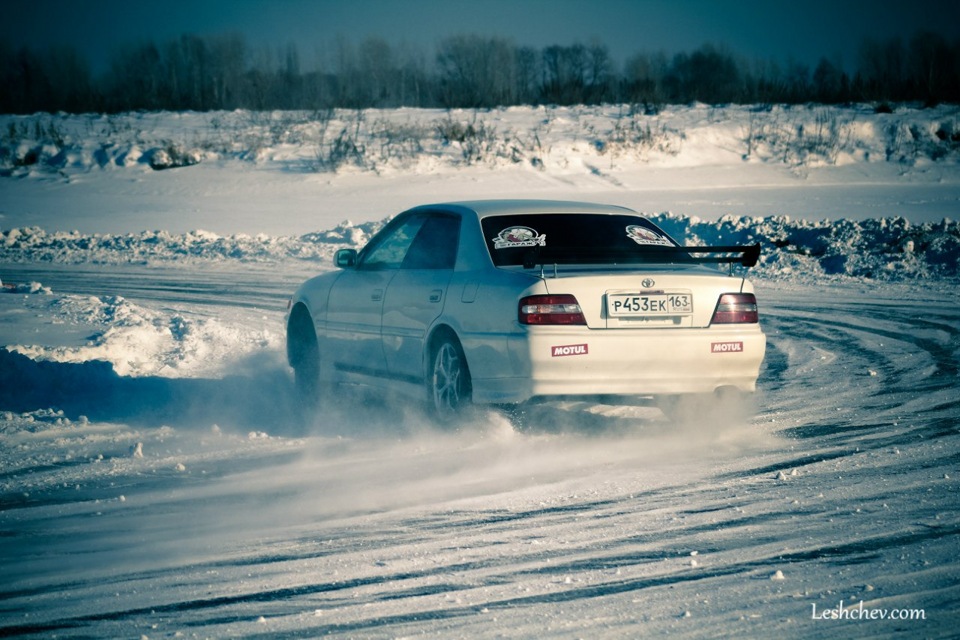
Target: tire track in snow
x=468 y=534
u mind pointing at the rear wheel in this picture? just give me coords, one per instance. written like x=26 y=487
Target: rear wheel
x=448 y=385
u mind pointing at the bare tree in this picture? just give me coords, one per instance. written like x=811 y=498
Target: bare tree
x=708 y=74
x=137 y=79
x=881 y=68
x=933 y=67
x=475 y=71
x=600 y=74
x=830 y=83
x=375 y=72
x=527 y=75
x=413 y=81
x=565 y=74
x=643 y=79
x=221 y=72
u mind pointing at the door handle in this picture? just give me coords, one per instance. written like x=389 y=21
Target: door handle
x=377 y=295
x=436 y=295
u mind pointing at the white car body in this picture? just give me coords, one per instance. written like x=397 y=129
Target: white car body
x=380 y=321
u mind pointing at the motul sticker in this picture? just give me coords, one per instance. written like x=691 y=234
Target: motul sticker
x=569 y=350
x=726 y=347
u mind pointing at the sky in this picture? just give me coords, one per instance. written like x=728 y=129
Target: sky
x=801 y=31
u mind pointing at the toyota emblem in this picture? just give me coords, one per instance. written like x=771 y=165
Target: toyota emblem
x=647 y=283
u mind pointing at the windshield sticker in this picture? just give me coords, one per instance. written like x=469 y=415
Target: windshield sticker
x=642 y=235
x=514 y=237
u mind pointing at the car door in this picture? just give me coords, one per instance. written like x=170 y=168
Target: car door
x=416 y=295
x=355 y=307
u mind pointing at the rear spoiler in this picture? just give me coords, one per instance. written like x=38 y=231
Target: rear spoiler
x=749 y=254
x=745 y=255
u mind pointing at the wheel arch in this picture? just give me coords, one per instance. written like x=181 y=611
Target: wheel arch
x=437 y=332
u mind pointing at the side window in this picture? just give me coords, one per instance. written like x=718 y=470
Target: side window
x=435 y=247
x=390 y=250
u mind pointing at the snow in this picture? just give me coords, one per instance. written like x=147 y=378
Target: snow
x=809 y=163
x=155 y=481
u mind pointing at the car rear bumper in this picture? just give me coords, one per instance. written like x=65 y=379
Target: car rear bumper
x=575 y=361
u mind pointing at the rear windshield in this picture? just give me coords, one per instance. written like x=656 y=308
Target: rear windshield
x=576 y=238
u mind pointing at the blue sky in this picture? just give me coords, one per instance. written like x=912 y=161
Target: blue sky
x=768 y=29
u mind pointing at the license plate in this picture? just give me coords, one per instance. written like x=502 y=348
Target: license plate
x=654 y=304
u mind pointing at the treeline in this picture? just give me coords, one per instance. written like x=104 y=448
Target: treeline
x=468 y=71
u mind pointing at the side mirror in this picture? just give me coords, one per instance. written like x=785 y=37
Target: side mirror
x=345 y=258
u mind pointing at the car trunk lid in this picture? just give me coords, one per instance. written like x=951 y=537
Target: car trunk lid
x=684 y=297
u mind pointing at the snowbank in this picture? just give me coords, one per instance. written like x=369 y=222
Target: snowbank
x=311 y=169
x=36 y=245
x=557 y=139
x=883 y=249
x=140 y=341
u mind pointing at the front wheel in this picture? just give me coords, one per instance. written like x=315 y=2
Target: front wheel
x=449 y=381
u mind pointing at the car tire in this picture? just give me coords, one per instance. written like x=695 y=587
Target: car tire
x=306 y=377
x=304 y=356
x=448 y=380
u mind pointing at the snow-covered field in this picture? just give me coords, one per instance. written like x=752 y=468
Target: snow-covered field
x=154 y=480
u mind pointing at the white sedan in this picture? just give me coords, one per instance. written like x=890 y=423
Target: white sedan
x=505 y=302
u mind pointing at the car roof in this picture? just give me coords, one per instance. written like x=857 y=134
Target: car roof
x=484 y=208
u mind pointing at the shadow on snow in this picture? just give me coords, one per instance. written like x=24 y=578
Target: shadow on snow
x=93 y=389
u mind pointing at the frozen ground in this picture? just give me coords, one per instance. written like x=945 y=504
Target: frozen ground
x=154 y=482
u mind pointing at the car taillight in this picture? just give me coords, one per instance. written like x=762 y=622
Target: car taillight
x=736 y=308
x=559 y=309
